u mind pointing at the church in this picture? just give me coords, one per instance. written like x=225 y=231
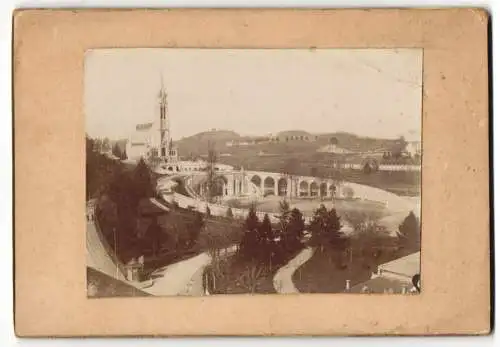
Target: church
x=152 y=141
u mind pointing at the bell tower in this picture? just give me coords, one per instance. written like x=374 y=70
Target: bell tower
x=164 y=123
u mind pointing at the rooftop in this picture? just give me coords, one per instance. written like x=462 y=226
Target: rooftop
x=407 y=266
x=380 y=285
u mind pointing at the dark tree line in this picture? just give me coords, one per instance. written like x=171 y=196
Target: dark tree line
x=121 y=204
x=98 y=169
x=125 y=213
x=409 y=233
x=265 y=243
x=271 y=245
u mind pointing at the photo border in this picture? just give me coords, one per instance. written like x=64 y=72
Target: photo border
x=50 y=282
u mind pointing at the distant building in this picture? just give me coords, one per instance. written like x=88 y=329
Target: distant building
x=413 y=148
x=332 y=148
x=292 y=135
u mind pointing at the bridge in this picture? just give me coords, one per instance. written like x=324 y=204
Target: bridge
x=259 y=184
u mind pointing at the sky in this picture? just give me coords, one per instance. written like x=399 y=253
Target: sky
x=368 y=92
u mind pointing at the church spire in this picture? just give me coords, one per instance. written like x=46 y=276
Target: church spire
x=164 y=123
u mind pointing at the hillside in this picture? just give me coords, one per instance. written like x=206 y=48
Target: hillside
x=356 y=143
x=290 y=133
x=197 y=144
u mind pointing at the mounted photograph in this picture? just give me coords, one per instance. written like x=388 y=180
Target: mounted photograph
x=252 y=171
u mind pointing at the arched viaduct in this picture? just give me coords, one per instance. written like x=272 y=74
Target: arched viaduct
x=261 y=183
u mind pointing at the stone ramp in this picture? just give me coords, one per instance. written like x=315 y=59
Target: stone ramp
x=100 y=256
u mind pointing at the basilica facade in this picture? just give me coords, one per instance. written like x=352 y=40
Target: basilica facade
x=152 y=141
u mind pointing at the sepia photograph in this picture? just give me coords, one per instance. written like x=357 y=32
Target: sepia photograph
x=252 y=171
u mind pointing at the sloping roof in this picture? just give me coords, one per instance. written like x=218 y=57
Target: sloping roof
x=103 y=285
x=406 y=266
x=380 y=285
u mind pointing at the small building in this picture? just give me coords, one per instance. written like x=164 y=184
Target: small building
x=397 y=276
x=413 y=148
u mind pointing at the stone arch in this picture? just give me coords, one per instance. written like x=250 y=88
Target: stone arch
x=303 y=188
x=220 y=185
x=323 y=189
x=269 y=185
x=369 y=165
x=332 y=189
x=282 y=186
x=256 y=180
x=221 y=178
x=314 y=188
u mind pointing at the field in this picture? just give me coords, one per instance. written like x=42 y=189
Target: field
x=271 y=204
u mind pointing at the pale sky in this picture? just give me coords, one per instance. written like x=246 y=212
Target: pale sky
x=368 y=92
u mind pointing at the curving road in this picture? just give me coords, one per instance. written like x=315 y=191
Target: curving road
x=282 y=280
x=184 y=277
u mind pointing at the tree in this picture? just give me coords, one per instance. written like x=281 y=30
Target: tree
x=195 y=227
x=409 y=232
x=211 y=174
x=98 y=145
x=252 y=221
x=216 y=271
x=251 y=276
x=154 y=234
x=99 y=169
x=325 y=228
x=250 y=241
x=284 y=217
x=265 y=231
x=370 y=238
x=143 y=181
x=118 y=152
x=293 y=231
x=289 y=169
x=121 y=191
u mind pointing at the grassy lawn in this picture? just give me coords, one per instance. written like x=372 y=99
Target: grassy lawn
x=327 y=273
x=271 y=204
